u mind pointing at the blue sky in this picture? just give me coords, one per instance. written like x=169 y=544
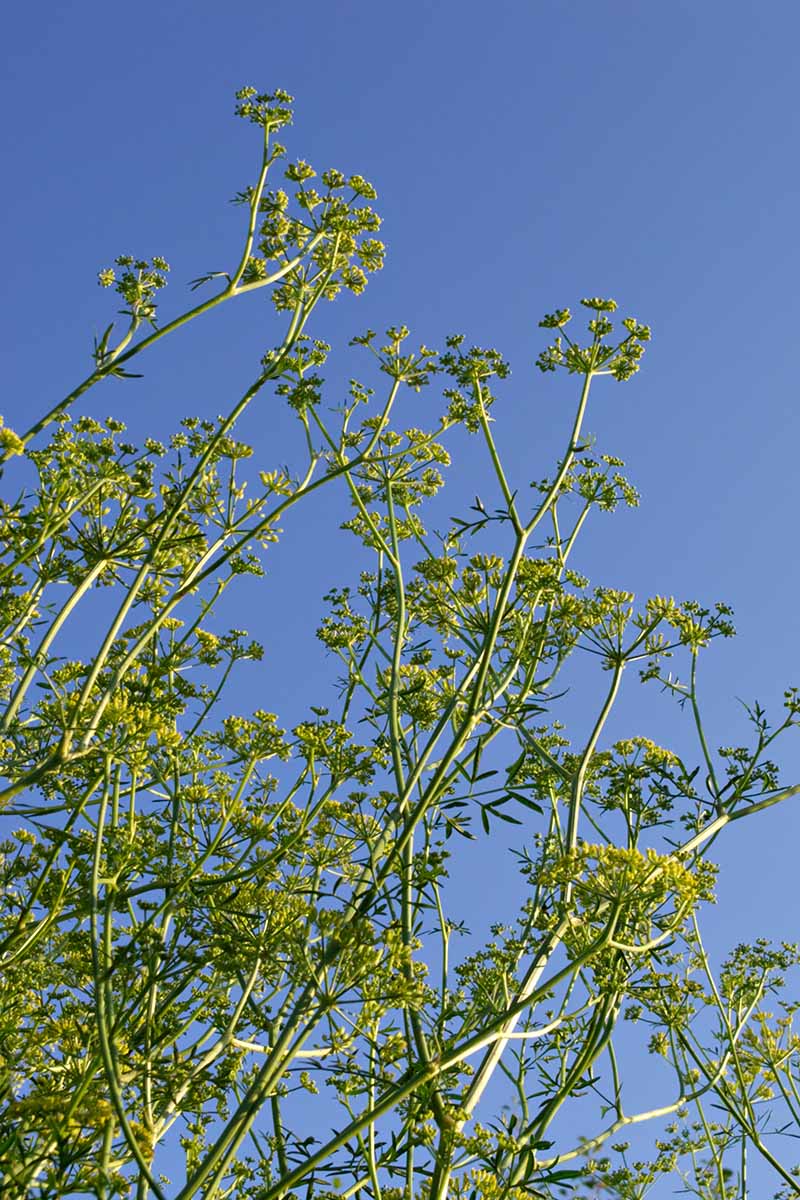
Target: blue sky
x=526 y=154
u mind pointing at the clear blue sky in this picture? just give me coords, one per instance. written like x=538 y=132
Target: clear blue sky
x=526 y=154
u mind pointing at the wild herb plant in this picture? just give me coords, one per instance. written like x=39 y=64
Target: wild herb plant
x=232 y=963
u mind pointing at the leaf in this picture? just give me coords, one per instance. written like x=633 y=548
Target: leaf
x=558 y=1176
x=526 y=801
x=494 y=808
x=506 y=817
x=201 y=279
x=101 y=347
x=118 y=373
x=513 y=771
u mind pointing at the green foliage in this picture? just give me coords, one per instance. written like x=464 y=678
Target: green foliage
x=217 y=934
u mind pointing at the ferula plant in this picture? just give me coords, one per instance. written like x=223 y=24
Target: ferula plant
x=233 y=962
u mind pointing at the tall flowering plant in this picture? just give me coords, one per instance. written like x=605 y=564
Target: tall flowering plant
x=232 y=960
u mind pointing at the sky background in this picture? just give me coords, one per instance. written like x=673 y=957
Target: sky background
x=526 y=154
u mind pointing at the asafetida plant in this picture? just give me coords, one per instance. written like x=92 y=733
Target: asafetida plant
x=233 y=963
